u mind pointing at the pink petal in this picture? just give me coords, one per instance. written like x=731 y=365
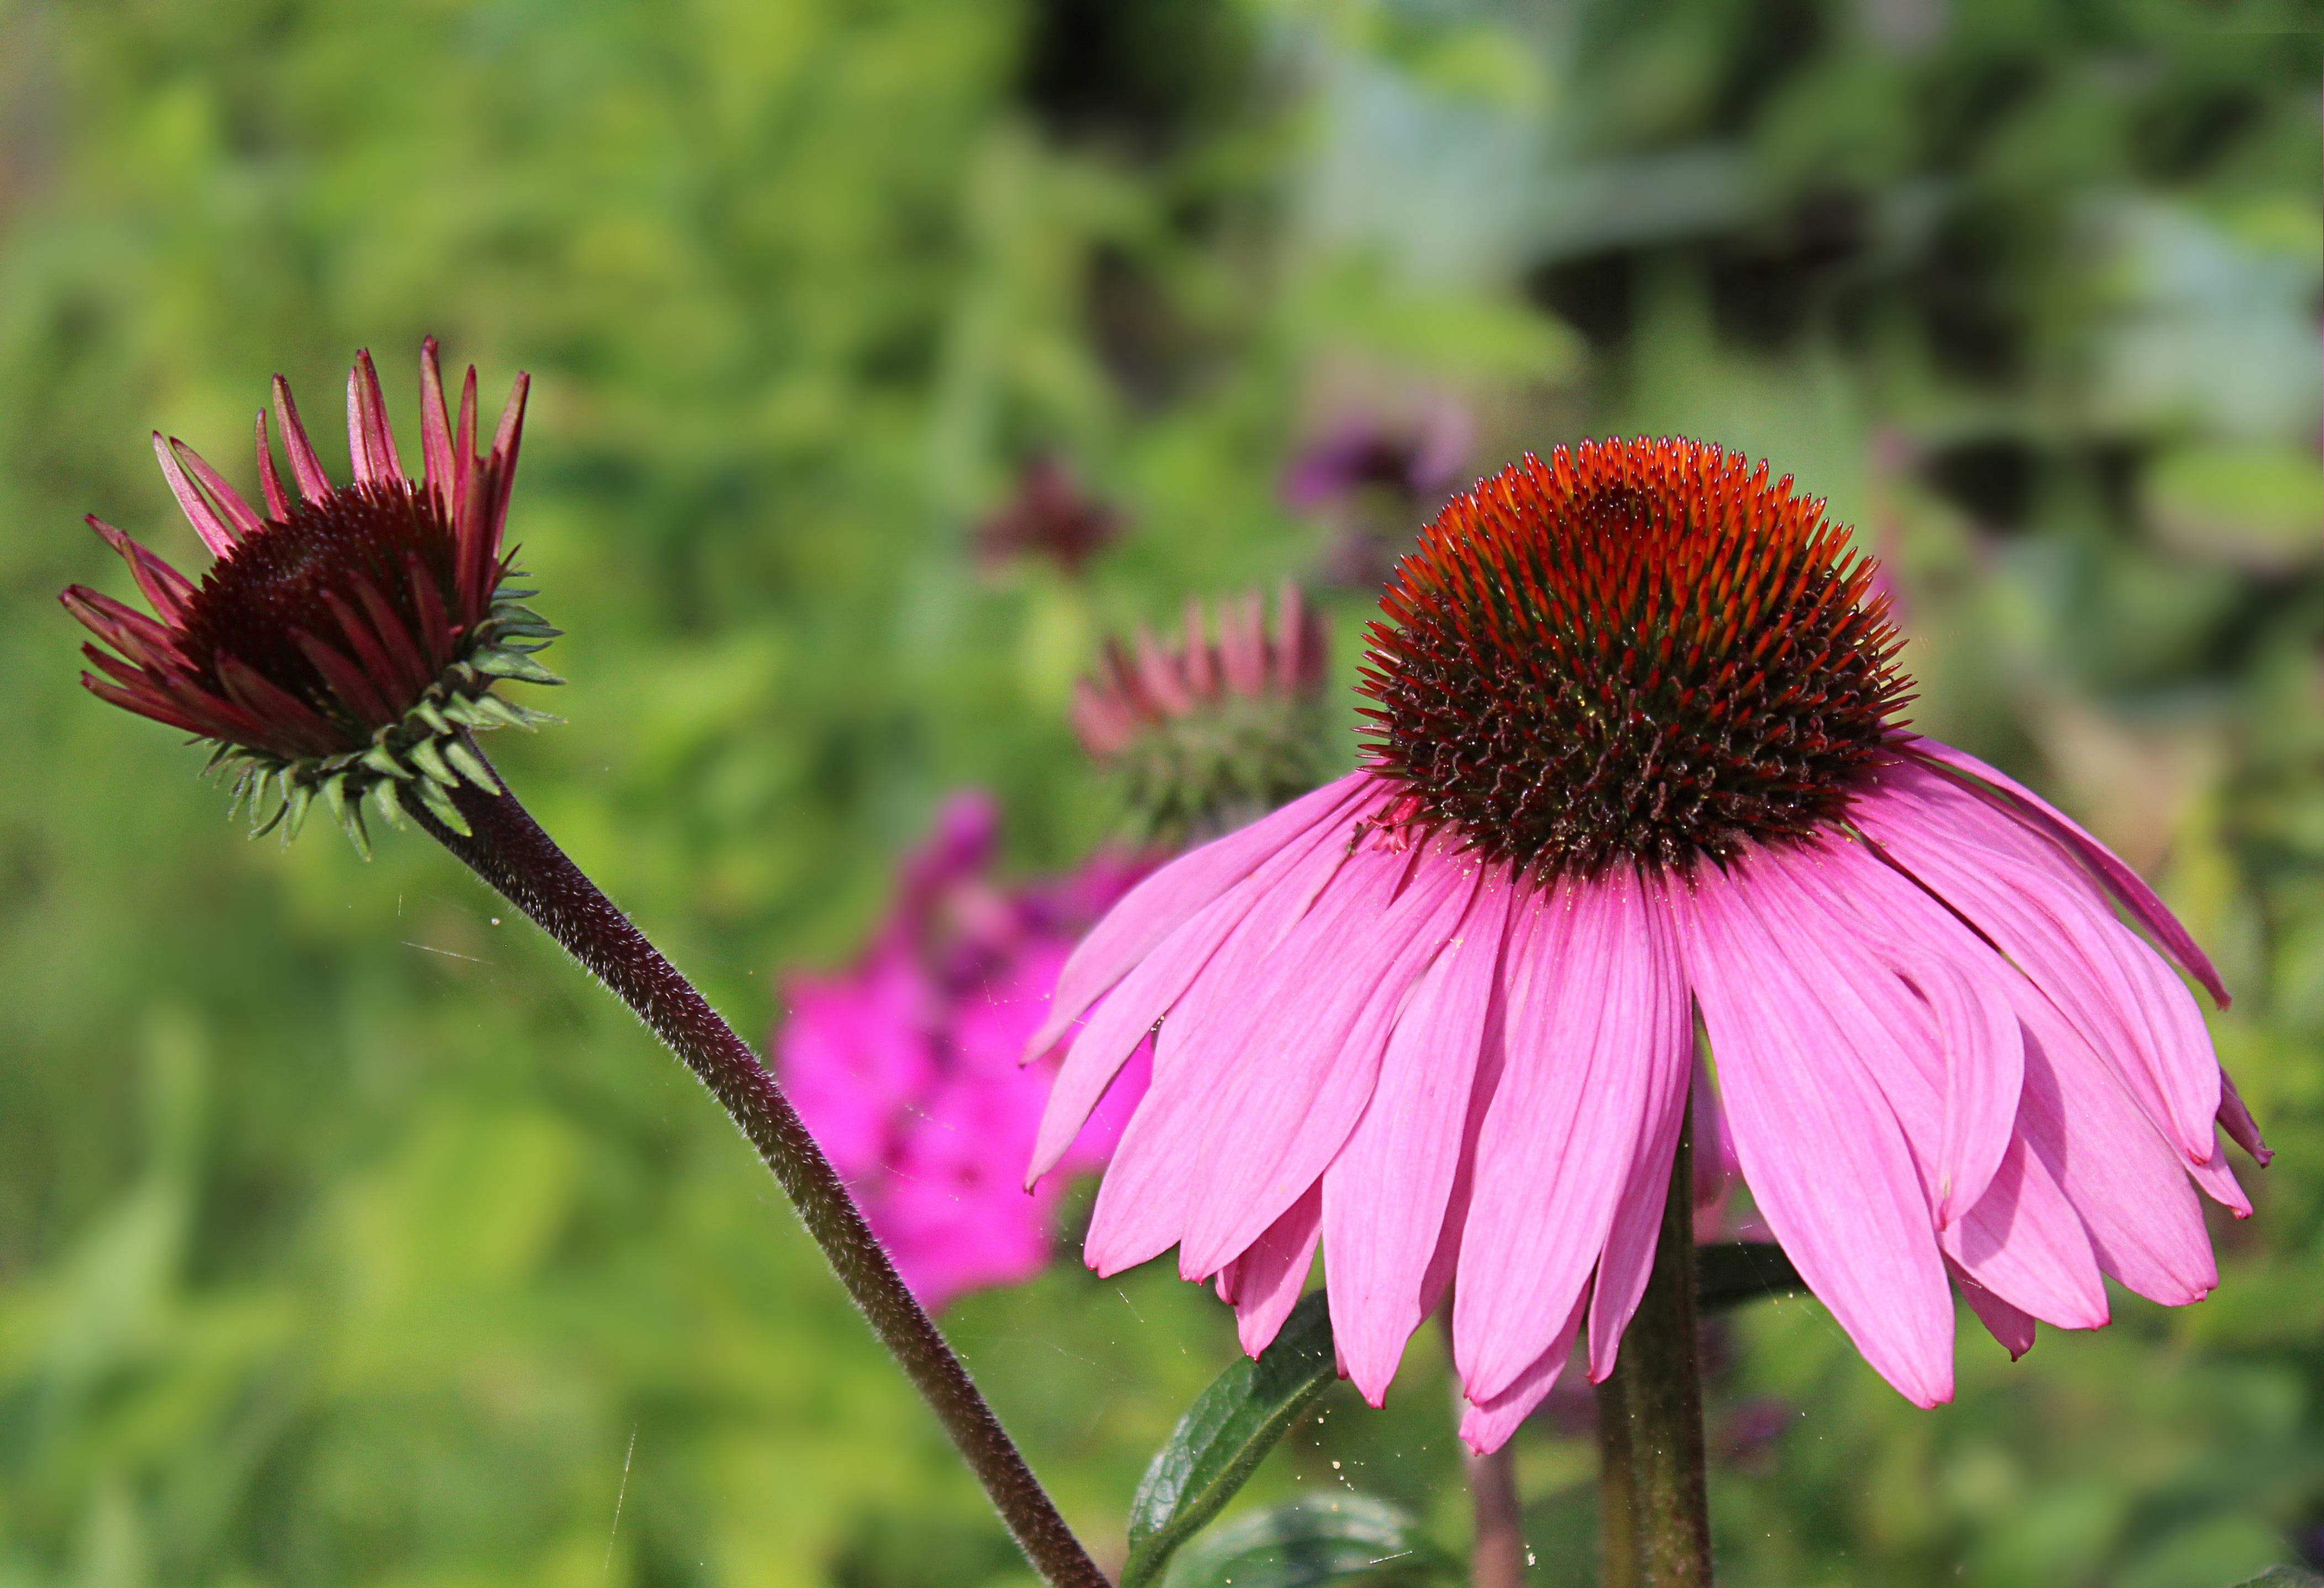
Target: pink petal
x=1598 y=1038
x=434 y=427
x=1276 y=894
x=2023 y=1242
x=2052 y=923
x=1822 y=1148
x=2004 y=1322
x=1308 y=1064
x=305 y=466
x=238 y=513
x=1270 y=1275
x=168 y=590
x=1487 y=1424
x=1160 y=904
x=1384 y=1196
x=278 y=500
x=2119 y=880
x=2236 y=1121
x=2146 y=1224
x=208 y=524
x=370 y=446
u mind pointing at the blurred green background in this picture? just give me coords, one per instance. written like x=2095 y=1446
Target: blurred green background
x=348 y=1236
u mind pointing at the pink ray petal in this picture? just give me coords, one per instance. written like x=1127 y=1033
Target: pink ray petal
x=1822 y=1148
x=2236 y=1121
x=1487 y=1424
x=1160 y=904
x=1160 y=980
x=370 y=445
x=208 y=524
x=2119 y=879
x=1626 y=1260
x=237 y=513
x=2012 y=1328
x=278 y=500
x=1312 y=1055
x=2051 y=922
x=1384 y=1196
x=1270 y=1275
x=1598 y=1038
x=167 y=590
x=435 y=429
x=2024 y=1242
x=306 y=468
x=2144 y=1220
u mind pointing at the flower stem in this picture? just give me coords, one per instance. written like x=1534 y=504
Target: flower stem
x=1655 y=1512
x=1497 y=1558
x=507 y=848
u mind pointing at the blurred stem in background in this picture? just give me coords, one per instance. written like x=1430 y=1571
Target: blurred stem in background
x=509 y=851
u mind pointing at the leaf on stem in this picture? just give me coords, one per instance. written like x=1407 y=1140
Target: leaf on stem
x=1319 y=1539
x=1223 y=1436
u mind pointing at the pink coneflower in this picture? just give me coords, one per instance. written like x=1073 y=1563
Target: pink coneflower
x=346 y=639
x=905 y=1068
x=1201 y=729
x=1636 y=758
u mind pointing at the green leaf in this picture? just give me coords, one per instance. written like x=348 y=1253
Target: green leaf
x=1220 y=1440
x=1318 y=1540
x=2276 y=1577
x=1733 y=1272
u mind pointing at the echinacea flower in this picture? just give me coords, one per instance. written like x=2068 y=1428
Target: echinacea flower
x=1207 y=733
x=345 y=642
x=904 y=1066
x=1635 y=760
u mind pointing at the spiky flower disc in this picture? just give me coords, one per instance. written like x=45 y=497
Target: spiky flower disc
x=1639 y=651
x=343 y=645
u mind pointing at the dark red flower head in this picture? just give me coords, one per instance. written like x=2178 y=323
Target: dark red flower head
x=342 y=645
x=1639 y=651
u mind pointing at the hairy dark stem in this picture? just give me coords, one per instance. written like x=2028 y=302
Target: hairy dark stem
x=507 y=848
x=1650 y=1416
x=1497 y=1558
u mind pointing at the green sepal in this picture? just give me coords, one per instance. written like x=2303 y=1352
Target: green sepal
x=1224 y=1434
x=347 y=811
x=258 y=783
x=390 y=808
x=428 y=712
x=498 y=663
x=430 y=759
x=294 y=814
x=441 y=807
x=469 y=761
x=384 y=761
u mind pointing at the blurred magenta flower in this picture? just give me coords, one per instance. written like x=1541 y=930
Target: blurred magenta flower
x=906 y=1065
x=1048 y=515
x=343 y=640
x=1636 y=753
x=1418 y=457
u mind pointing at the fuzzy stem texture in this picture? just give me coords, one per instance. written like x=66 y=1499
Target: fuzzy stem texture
x=1650 y=1418
x=1497 y=1558
x=509 y=850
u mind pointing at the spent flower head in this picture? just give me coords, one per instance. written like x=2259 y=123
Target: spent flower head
x=1206 y=734
x=344 y=643
x=1638 y=760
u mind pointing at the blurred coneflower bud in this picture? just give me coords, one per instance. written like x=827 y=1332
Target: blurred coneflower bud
x=1050 y=516
x=345 y=642
x=1206 y=734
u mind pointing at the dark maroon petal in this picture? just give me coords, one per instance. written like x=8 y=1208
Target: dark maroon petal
x=124 y=628
x=406 y=662
x=464 y=446
x=355 y=691
x=378 y=667
x=160 y=709
x=435 y=626
x=277 y=502
x=314 y=484
x=165 y=587
x=291 y=725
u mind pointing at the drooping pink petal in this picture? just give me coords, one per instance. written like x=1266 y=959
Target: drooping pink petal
x=1598 y=1038
x=1627 y=1259
x=2012 y=1328
x=1268 y=1275
x=1250 y=917
x=1820 y=1145
x=1384 y=1196
x=2024 y=1242
x=2119 y=880
x=166 y=588
x=2130 y=1187
x=2236 y=1121
x=2055 y=926
x=215 y=532
x=1487 y=1424
x=1163 y=901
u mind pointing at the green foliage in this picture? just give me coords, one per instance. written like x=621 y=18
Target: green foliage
x=347 y=1236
